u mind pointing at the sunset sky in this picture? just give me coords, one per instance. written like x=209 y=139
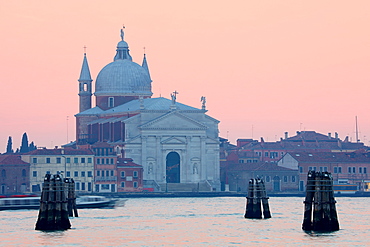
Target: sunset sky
x=265 y=67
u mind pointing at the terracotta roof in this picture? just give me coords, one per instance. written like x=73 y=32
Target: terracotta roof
x=126 y=162
x=342 y=157
x=259 y=166
x=11 y=159
x=66 y=151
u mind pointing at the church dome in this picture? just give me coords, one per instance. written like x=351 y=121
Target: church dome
x=123 y=78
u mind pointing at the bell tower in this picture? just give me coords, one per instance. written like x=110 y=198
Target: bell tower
x=85 y=86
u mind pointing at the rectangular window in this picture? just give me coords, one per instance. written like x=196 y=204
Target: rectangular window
x=339 y=169
x=98 y=173
x=82 y=174
x=122 y=174
x=59 y=160
x=293 y=179
x=75 y=160
x=76 y=174
x=102 y=161
x=89 y=174
x=107 y=173
x=48 y=160
x=98 y=161
x=360 y=170
x=349 y=169
x=285 y=179
x=68 y=160
x=68 y=174
x=102 y=173
x=365 y=170
x=34 y=174
x=106 y=161
x=111 y=173
x=111 y=161
x=135 y=174
x=89 y=186
x=34 y=160
x=354 y=169
x=267 y=179
x=123 y=184
x=82 y=160
x=266 y=154
x=89 y=160
x=335 y=169
x=300 y=169
x=325 y=168
x=111 y=102
x=83 y=186
x=135 y=184
x=77 y=186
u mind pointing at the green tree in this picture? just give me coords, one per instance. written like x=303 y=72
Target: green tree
x=9 y=146
x=24 y=145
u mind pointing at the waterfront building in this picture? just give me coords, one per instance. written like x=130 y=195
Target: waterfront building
x=249 y=150
x=345 y=167
x=105 y=169
x=177 y=145
x=14 y=174
x=130 y=176
x=72 y=163
x=276 y=178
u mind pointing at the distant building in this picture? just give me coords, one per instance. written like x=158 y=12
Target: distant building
x=105 y=168
x=350 y=168
x=72 y=163
x=276 y=178
x=175 y=143
x=249 y=149
x=130 y=176
x=14 y=175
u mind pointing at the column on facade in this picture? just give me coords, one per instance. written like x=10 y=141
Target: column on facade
x=203 y=165
x=144 y=141
x=187 y=162
x=158 y=170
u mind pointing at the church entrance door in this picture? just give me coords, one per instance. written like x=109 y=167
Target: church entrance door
x=173 y=167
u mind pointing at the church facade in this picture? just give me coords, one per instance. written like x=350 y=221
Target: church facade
x=177 y=145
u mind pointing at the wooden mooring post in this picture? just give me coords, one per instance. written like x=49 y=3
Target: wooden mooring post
x=320 y=195
x=71 y=197
x=53 y=214
x=256 y=195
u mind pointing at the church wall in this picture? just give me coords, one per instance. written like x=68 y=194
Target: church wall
x=82 y=130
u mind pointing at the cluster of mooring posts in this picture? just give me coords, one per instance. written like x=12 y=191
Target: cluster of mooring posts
x=256 y=195
x=57 y=203
x=319 y=193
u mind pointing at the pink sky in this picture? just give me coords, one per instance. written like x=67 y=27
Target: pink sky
x=265 y=67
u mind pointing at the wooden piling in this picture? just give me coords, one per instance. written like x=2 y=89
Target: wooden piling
x=71 y=198
x=53 y=205
x=43 y=213
x=307 y=222
x=265 y=203
x=319 y=193
x=256 y=195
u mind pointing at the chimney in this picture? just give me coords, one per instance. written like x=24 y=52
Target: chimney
x=329 y=135
x=336 y=135
x=286 y=135
x=56 y=147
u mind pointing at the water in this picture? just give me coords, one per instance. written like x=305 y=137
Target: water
x=215 y=221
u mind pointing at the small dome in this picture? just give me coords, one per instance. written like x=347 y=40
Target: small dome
x=122 y=44
x=123 y=78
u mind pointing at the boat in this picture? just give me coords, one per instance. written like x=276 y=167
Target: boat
x=33 y=202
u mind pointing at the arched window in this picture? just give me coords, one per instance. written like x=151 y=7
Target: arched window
x=3 y=173
x=110 y=102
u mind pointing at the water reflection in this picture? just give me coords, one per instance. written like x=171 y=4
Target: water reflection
x=190 y=222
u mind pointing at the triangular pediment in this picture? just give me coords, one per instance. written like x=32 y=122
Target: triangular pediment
x=174 y=121
x=173 y=140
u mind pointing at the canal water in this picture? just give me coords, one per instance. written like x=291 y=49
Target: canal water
x=216 y=221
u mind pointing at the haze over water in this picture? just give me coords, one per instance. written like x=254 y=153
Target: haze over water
x=217 y=221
